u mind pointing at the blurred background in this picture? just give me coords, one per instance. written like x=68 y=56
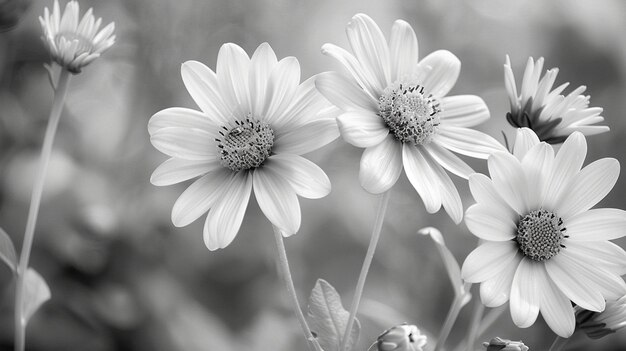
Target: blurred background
x=123 y=278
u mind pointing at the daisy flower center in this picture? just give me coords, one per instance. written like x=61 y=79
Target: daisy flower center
x=246 y=144
x=411 y=115
x=83 y=45
x=539 y=235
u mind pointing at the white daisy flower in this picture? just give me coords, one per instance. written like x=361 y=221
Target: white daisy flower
x=552 y=116
x=397 y=109
x=599 y=324
x=543 y=246
x=74 y=42
x=256 y=121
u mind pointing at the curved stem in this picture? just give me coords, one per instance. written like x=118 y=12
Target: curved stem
x=356 y=299
x=285 y=272
x=453 y=313
x=479 y=309
x=35 y=201
x=559 y=343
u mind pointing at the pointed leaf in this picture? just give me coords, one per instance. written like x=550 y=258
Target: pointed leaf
x=36 y=292
x=7 y=251
x=328 y=317
x=452 y=266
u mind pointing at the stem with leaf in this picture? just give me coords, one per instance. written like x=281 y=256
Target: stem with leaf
x=457 y=304
x=378 y=224
x=559 y=343
x=35 y=201
x=285 y=272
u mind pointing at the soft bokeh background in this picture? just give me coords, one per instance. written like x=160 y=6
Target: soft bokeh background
x=123 y=278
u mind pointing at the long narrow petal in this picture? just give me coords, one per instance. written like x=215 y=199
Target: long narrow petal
x=185 y=143
x=488 y=260
x=463 y=110
x=467 y=141
x=307 y=138
x=175 y=170
x=225 y=218
x=574 y=280
x=370 y=48
x=381 y=165
x=343 y=93
x=305 y=177
x=422 y=177
x=282 y=87
x=602 y=253
x=496 y=291
x=307 y=106
x=589 y=186
x=525 y=139
x=526 y=292
x=200 y=196
x=362 y=128
x=449 y=161
x=490 y=223
x=537 y=164
x=181 y=117
x=403 y=50
x=485 y=193
x=510 y=180
x=353 y=67
x=567 y=163
x=277 y=200
x=597 y=224
x=262 y=63
x=608 y=283
x=557 y=309
x=439 y=71
x=201 y=83
x=232 y=69
x=450 y=198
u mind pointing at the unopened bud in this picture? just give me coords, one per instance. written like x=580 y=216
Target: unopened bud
x=599 y=324
x=499 y=344
x=402 y=337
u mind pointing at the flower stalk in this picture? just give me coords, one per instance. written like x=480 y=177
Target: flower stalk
x=33 y=211
x=559 y=343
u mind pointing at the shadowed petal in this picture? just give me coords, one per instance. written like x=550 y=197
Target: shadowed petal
x=175 y=170
x=510 y=181
x=567 y=163
x=370 y=48
x=574 y=280
x=183 y=118
x=526 y=289
x=403 y=50
x=305 y=177
x=345 y=94
x=201 y=83
x=381 y=165
x=450 y=198
x=262 y=63
x=490 y=223
x=363 y=78
x=422 y=177
x=439 y=71
x=525 y=139
x=597 y=224
x=485 y=193
x=488 y=260
x=463 y=110
x=495 y=292
x=277 y=200
x=467 y=141
x=281 y=89
x=307 y=138
x=185 y=143
x=233 y=65
x=362 y=129
x=448 y=160
x=557 y=310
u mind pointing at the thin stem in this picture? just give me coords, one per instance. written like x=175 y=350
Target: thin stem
x=559 y=343
x=453 y=313
x=356 y=299
x=35 y=201
x=285 y=272
x=490 y=318
x=479 y=308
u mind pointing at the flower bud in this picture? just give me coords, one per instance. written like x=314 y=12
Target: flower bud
x=599 y=324
x=499 y=344
x=402 y=337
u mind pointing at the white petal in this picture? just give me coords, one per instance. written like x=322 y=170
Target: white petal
x=362 y=129
x=602 y=253
x=557 y=310
x=370 y=48
x=488 y=260
x=403 y=50
x=567 y=163
x=495 y=292
x=343 y=93
x=509 y=180
x=467 y=141
x=509 y=83
x=537 y=164
x=185 y=143
x=226 y=216
x=589 y=186
x=176 y=170
x=574 y=280
x=277 y=200
x=281 y=89
x=422 y=177
x=201 y=83
x=381 y=165
x=439 y=71
x=232 y=69
x=525 y=139
x=526 y=288
x=448 y=160
x=490 y=222
x=597 y=224
x=463 y=110
x=485 y=193
x=305 y=177
x=308 y=105
x=450 y=198
x=307 y=138
x=608 y=283
x=200 y=196
x=353 y=67
x=183 y=118
x=262 y=63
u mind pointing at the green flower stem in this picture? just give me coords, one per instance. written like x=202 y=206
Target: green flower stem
x=285 y=272
x=35 y=201
x=356 y=299
x=559 y=343
x=453 y=313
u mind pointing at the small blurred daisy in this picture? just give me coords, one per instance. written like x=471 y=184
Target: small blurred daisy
x=543 y=245
x=74 y=42
x=599 y=324
x=403 y=337
x=397 y=109
x=551 y=115
x=256 y=121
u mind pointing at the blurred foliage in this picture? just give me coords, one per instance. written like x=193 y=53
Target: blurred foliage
x=123 y=278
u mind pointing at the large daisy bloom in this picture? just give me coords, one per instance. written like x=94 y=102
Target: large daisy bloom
x=396 y=108
x=73 y=42
x=543 y=247
x=256 y=120
x=551 y=115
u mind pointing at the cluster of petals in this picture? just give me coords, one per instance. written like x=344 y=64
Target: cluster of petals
x=371 y=70
x=552 y=116
x=587 y=268
x=74 y=42
x=599 y=324
x=269 y=91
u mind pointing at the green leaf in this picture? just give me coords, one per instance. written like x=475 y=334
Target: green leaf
x=36 y=292
x=328 y=317
x=7 y=251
